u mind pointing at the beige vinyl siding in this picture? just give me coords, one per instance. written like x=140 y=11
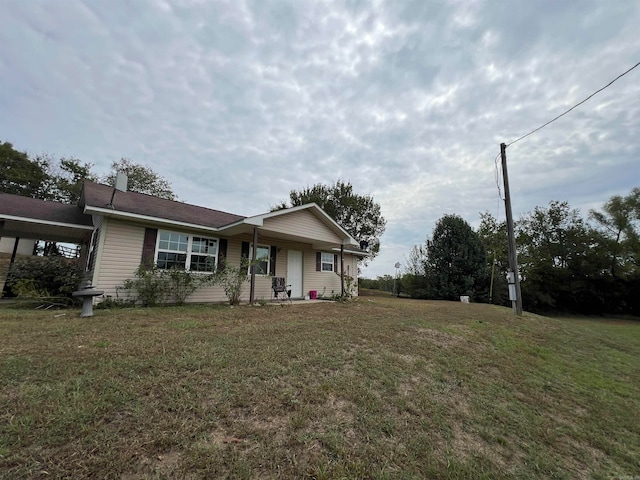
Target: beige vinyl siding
x=328 y=283
x=263 y=282
x=216 y=293
x=352 y=262
x=302 y=224
x=119 y=254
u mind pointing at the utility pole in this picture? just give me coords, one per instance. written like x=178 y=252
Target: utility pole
x=513 y=255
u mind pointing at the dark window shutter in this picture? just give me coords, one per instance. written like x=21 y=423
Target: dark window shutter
x=318 y=261
x=244 y=253
x=335 y=263
x=222 y=253
x=149 y=247
x=272 y=263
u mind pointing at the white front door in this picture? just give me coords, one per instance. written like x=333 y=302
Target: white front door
x=294 y=273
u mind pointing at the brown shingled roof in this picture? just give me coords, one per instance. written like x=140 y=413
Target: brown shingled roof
x=26 y=207
x=98 y=195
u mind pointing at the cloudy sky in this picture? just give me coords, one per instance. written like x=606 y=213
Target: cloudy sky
x=237 y=102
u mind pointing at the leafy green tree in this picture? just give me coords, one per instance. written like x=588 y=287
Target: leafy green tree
x=67 y=177
x=369 y=283
x=456 y=261
x=414 y=281
x=21 y=175
x=358 y=214
x=42 y=177
x=141 y=179
x=560 y=260
x=619 y=224
x=385 y=283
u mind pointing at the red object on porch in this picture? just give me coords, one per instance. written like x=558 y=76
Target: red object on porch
x=313 y=294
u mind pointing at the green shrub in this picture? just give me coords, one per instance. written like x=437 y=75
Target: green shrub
x=150 y=287
x=232 y=279
x=44 y=277
x=182 y=284
x=153 y=286
x=109 y=302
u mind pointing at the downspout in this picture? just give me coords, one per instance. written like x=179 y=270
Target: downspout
x=254 y=253
x=342 y=270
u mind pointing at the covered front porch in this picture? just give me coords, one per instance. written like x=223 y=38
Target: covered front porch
x=319 y=235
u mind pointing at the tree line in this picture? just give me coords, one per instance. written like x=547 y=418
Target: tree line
x=567 y=263
x=60 y=180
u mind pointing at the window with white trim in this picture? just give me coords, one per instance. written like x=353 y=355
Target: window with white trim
x=188 y=252
x=326 y=262
x=263 y=257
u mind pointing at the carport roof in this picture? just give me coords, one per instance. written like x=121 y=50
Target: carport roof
x=26 y=217
x=15 y=207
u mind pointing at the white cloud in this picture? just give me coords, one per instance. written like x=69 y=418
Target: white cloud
x=238 y=102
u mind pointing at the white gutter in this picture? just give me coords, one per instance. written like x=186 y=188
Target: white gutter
x=254 y=222
x=351 y=252
x=107 y=212
x=45 y=222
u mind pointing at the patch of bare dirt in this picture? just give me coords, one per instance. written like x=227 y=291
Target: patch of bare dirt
x=163 y=465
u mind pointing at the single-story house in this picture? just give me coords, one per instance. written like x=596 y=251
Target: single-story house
x=122 y=229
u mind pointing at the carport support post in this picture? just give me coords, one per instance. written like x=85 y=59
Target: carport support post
x=252 y=268
x=342 y=270
x=15 y=251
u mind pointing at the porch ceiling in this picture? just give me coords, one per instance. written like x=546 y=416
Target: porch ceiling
x=38 y=230
x=316 y=243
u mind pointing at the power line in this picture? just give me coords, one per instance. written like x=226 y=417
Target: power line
x=576 y=105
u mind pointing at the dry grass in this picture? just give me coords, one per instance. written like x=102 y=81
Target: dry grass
x=378 y=388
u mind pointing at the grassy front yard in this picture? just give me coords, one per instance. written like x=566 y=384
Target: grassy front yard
x=378 y=388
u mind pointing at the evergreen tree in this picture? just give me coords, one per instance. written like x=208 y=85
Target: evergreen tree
x=456 y=261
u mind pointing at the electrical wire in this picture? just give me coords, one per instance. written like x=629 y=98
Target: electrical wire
x=576 y=105
x=500 y=198
x=493 y=264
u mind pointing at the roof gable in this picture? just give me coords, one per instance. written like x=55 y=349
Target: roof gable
x=302 y=222
x=308 y=218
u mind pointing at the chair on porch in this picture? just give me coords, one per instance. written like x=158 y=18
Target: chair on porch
x=281 y=291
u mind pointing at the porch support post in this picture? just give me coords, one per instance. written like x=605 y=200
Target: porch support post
x=342 y=270
x=254 y=252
